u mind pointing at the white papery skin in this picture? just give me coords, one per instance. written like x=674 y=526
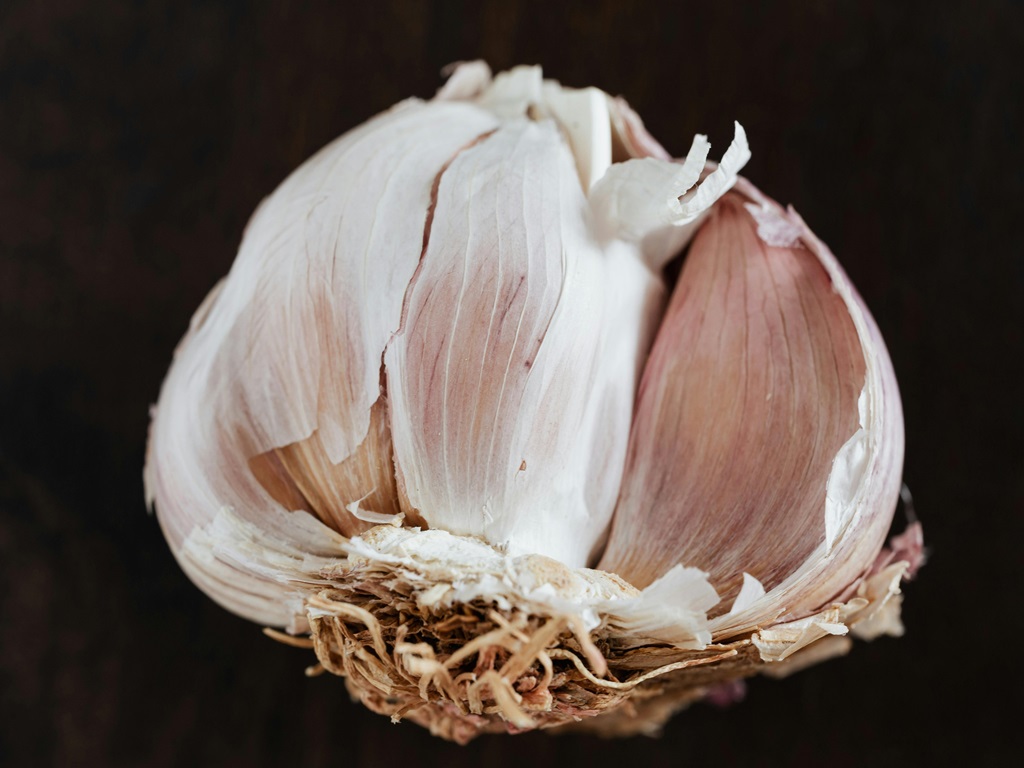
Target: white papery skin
x=485 y=249
x=290 y=346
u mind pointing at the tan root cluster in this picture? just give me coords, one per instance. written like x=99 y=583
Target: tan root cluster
x=469 y=668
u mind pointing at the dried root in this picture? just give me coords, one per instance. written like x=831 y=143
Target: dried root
x=474 y=668
x=416 y=638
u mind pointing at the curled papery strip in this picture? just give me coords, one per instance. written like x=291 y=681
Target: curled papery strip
x=768 y=437
x=637 y=198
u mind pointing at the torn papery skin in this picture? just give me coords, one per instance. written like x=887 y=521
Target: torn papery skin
x=440 y=322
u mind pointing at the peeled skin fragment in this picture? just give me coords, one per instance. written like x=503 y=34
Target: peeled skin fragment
x=768 y=435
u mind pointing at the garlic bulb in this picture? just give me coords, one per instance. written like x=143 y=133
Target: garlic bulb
x=446 y=374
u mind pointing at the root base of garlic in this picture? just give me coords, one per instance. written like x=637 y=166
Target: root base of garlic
x=507 y=645
x=475 y=668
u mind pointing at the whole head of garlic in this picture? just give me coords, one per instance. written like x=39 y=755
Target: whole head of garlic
x=447 y=417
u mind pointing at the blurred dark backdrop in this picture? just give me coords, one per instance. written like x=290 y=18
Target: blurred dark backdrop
x=136 y=138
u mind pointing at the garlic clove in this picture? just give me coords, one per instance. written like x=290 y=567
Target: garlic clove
x=767 y=441
x=285 y=355
x=511 y=384
x=346 y=226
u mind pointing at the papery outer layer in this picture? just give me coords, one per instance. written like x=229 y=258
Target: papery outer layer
x=257 y=574
x=836 y=514
x=749 y=393
x=860 y=507
x=290 y=347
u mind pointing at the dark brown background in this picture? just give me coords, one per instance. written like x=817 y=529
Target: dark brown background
x=135 y=139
